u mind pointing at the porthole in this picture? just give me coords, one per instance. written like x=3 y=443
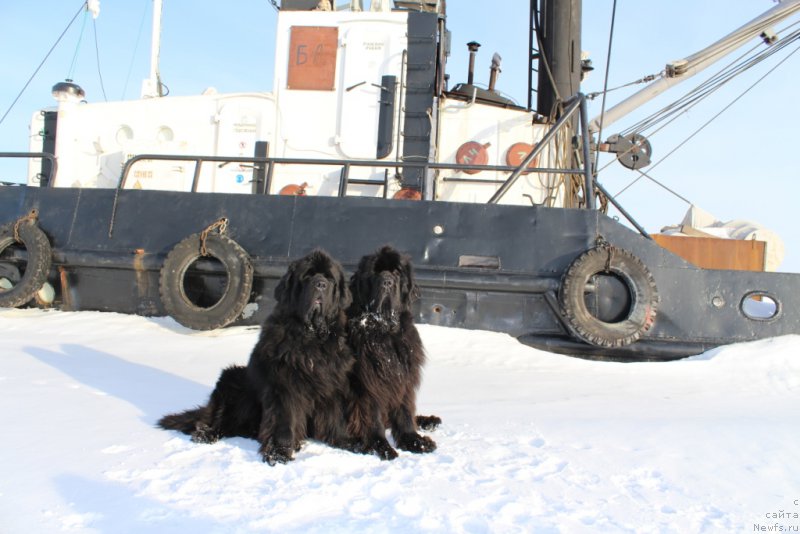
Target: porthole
x=124 y=134
x=165 y=134
x=760 y=306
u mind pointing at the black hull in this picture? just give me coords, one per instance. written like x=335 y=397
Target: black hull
x=109 y=246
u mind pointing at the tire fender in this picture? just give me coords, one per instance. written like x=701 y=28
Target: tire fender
x=39 y=253
x=637 y=279
x=239 y=272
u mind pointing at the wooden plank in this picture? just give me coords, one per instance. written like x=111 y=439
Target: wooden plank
x=716 y=253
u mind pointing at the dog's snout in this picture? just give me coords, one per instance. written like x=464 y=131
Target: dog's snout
x=321 y=285
x=387 y=282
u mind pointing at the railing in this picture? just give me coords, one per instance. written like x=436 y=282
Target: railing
x=264 y=167
x=31 y=155
x=269 y=165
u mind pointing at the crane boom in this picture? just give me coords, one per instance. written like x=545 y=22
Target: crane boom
x=681 y=70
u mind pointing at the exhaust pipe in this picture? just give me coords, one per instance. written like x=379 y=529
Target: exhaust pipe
x=494 y=71
x=473 y=49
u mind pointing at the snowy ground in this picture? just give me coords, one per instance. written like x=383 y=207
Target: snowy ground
x=531 y=441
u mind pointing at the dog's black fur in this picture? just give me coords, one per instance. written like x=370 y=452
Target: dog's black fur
x=389 y=356
x=295 y=385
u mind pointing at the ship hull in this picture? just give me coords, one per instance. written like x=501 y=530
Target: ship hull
x=490 y=267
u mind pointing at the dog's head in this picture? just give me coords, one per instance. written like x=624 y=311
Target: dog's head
x=384 y=284
x=314 y=290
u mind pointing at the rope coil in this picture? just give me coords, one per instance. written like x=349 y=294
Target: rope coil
x=221 y=224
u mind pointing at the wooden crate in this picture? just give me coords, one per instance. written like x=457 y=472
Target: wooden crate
x=715 y=252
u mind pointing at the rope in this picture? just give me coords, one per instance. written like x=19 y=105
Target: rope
x=221 y=223
x=41 y=64
x=30 y=217
x=275 y=5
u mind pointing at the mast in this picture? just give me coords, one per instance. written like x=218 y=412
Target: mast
x=559 y=25
x=151 y=87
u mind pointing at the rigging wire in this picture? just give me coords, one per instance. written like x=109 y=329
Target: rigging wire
x=135 y=48
x=704 y=125
x=661 y=184
x=275 y=5
x=97 y=56
x=676 y=114
x=712 y=84
x=35 y=72
x=645 y=79
x=71 y=73
x=605 y=82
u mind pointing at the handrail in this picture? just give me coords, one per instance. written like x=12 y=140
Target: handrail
x=575 y=104
x=32 y=155
x=572 y=106
x=345 y=164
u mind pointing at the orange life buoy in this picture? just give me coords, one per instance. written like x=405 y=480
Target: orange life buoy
x=294 y=189
x=472 y=153
x=407 y=193
x=518 y=152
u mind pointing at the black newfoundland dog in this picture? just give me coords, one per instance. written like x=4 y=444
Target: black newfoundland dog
x=296 y=384
x=389 y=356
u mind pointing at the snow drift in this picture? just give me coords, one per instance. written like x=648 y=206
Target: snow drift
x=531 y=441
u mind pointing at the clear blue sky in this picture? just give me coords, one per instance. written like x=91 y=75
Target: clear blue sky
x=742 y=166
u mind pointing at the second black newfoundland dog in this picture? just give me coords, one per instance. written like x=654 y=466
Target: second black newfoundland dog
x=296 y=383
x=389 y=356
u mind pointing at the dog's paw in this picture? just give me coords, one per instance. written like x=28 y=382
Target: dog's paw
x=204 y=434
x=416 y=443
x=276 y=455
x=379 y=446
x=384 y=450
x=428 y=422
x=387 y=454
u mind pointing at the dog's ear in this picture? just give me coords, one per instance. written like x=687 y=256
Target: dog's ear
x=286 y=285
x=410 y=288
x=345 y=297
x=359 y=282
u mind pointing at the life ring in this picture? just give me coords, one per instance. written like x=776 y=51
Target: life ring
x=177 y=298
x=627 y=271
x=407 y=193
x=18 y=287
x=294 y=190
x=472 y=153
x=517 y=153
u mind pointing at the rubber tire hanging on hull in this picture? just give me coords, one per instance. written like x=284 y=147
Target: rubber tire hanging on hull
x=638 y=280
x=38 y=266
x=239 y=272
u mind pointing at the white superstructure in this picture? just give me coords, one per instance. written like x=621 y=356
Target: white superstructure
x=326 y=105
